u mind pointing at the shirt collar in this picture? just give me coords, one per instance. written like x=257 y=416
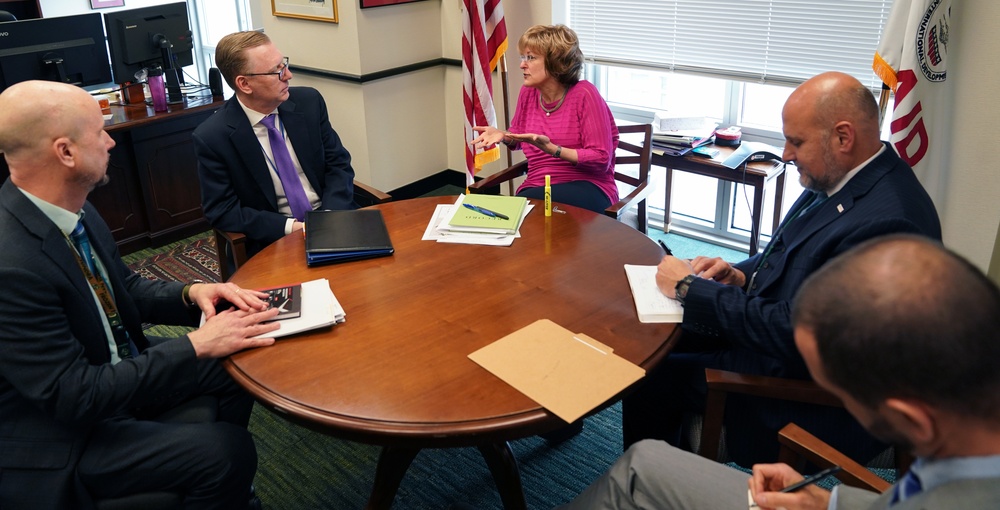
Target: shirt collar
x=934 y=473
x=65 y=220
x=253 y=115
x=852 y=173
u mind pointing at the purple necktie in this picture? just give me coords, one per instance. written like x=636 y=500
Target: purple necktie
x=285 y=169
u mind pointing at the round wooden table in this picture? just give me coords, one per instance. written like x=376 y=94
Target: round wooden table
x=397 y=372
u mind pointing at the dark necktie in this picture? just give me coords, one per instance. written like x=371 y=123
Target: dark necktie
x=907 y=487
x=813 y=202
x=125 y=347
x=82 y=243
x=283 y=166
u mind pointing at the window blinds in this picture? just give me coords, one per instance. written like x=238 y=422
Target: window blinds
x=766 y=41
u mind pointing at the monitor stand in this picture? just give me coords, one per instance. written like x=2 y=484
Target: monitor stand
x=173 y=85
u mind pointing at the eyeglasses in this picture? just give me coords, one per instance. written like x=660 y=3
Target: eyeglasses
x=280 y=72
x=528 y=58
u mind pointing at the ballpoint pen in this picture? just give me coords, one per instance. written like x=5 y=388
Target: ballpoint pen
x=664 y=245
x=483 y=210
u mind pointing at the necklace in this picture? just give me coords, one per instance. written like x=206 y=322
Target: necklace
x=556 y=107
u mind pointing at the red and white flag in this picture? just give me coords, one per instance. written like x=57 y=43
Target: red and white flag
x=484 y=41
x=912 y=59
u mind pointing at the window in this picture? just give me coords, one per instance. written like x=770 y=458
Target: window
x=211 y=20
x=733 y=62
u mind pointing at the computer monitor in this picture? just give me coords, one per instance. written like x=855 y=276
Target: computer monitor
x=69 y=49
x=158 y=35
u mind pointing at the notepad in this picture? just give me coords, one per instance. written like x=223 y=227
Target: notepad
x=650 y=303
x=340 y=236
x=466 y=219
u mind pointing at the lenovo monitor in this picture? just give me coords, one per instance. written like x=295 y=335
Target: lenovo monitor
x=147 y=37
x=68 y=49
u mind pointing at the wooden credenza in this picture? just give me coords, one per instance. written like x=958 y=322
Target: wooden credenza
x=153 y=196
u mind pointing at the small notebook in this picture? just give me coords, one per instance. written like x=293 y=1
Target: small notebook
x=469 y=220
x=651 y=305
x=340 y=236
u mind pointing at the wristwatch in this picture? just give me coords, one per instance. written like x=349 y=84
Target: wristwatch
x=681 y=289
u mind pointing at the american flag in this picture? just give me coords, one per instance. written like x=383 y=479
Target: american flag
x=484 y=41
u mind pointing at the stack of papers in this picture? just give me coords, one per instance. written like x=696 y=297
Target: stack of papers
x=677 y=136
x=456 y=223
x=319 y=308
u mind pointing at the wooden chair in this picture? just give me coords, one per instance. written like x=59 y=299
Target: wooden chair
x=721 y=383
x=629 y=153
x=797 y=447
x=234 y=243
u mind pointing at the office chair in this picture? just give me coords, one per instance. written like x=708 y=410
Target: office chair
x=7 y=16
x=721 y=383
x=635 y=155
x=234 y=243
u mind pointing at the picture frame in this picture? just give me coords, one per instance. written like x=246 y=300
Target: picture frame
x=101 y=4
x=316 y=10
x=366 y=4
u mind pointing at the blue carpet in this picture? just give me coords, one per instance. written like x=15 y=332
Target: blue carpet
x=300 y=469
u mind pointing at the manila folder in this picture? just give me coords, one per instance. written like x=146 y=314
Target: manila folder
x=569 y=374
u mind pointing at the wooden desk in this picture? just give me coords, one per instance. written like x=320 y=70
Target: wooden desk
x=153 y=196
x=757 y=175
x=397 y=374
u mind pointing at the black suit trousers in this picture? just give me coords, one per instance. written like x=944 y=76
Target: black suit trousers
x=212 y=464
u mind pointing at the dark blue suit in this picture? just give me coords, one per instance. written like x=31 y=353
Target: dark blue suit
x=749 y=330
x=64 y=405
x=237 y=193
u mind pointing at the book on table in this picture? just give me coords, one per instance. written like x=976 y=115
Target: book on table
x=508 y=213
x=340 y=236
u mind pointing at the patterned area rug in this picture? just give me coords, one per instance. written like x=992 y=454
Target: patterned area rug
x=191 y=259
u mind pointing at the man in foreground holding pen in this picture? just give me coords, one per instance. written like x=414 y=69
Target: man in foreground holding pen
x=903 y=331
x=736 y=317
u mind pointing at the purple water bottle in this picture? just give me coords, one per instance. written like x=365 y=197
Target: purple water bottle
x=157 y=90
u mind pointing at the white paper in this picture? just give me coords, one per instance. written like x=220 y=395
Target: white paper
x=651 y=305
x=320 y=308
x=444 y=212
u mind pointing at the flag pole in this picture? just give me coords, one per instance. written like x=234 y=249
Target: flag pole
x=883 y=104
x=506 y=113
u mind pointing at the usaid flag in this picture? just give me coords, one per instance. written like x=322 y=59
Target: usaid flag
x=912 y=59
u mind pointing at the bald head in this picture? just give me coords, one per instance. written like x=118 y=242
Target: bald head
x=830 y=124
x=837 y=97
x=902 y=317
x=52 y=135
x=33 y=113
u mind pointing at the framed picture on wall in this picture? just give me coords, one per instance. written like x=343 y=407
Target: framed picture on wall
x=319 y=10
x=100 y=4
x=379 y=3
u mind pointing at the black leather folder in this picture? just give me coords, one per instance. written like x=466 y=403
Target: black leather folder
x=340 y=236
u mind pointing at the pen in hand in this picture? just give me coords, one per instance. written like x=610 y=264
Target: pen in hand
x=483 y=210
x=809 y=480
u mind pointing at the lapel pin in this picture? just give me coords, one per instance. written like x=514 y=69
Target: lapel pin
x=840 y=208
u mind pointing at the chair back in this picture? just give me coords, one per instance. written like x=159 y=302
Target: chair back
x=633 y=161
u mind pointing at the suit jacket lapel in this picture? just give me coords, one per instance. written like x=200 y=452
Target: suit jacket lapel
x=302 y=141
x=53 y=242
x=248 y=147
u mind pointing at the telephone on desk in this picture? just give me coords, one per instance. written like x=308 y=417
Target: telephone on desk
x=750 y=152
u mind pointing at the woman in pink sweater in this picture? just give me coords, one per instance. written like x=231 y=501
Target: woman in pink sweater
x=561 y=123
